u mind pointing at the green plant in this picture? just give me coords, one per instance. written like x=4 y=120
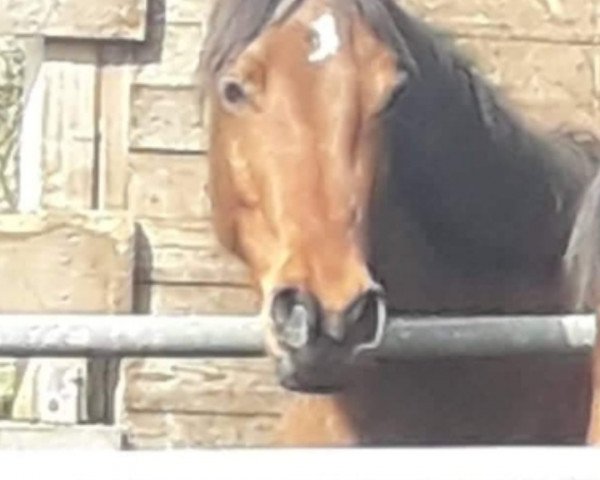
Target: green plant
x=12 y=72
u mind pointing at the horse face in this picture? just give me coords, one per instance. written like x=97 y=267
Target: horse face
x=292 y=170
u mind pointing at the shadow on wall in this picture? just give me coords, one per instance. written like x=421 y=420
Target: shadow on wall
x=149 y=51
x=142 y=289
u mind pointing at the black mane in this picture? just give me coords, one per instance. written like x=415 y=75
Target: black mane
x=488 y=188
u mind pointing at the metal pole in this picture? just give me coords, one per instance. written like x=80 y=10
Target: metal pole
x=489 y=336
x=202 y=336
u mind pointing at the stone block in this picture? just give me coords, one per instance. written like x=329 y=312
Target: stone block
x=200 y=403
x=195 y=299
x=174 y=430
x=184 y=252
x=179 y=62
x=188 y=11
x=96 y=19
x=60 y=262
x=548 y=20
x=168 y=119
x=215 y=386
x=168 y=186
x=551 y=92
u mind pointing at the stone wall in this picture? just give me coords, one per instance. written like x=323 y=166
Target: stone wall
x=123 y=130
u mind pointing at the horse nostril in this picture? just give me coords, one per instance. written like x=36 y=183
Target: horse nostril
x=356 y=310
x=363 y=306
x=366 y=317
x=295 y=314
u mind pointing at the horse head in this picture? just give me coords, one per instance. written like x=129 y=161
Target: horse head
x=295 y=91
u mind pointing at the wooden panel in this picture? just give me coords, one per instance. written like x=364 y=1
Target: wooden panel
x=30 y=150
x=70 y=125
x=52 y=391
x=98 y=19
x=115 y=78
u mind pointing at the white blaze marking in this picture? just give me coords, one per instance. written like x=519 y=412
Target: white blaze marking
x=328 y=40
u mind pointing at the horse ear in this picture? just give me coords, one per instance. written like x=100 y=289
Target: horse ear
x=380 y=70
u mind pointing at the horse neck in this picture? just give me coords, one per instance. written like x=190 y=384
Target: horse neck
x=469 y=169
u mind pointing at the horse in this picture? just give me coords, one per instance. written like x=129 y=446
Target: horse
x=360 y=164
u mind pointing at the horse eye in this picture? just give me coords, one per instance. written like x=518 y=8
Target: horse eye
x=232 y=92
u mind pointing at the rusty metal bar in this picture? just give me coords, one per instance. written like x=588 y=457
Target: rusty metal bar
x=207 y=336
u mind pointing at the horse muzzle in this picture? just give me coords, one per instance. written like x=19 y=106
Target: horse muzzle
x=317 y=348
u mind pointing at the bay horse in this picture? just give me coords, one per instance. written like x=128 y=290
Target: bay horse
x=359 y=163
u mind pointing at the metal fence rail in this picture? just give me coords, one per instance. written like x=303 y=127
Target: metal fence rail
x=509 y=463
x=201 y=336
